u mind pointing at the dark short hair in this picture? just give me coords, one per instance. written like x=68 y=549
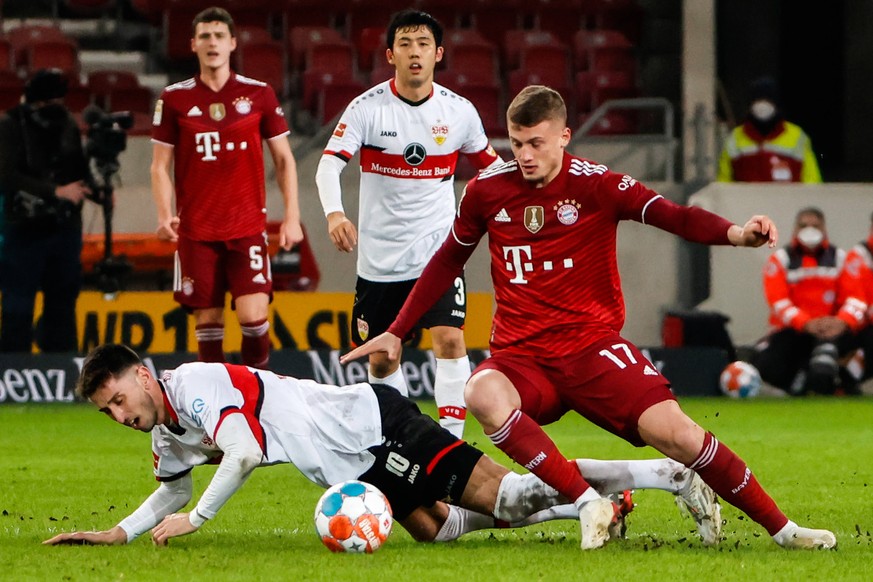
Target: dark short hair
x=535 y=104
x=103 y=364
x=213 y=14
x=46 y=84
x=414 y=19
x=814 y=210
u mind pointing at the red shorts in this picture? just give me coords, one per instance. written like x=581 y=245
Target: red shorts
x=207 y=270
x=610 y=383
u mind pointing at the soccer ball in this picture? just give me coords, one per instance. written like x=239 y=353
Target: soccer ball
x=740 y=380
x=353 y=517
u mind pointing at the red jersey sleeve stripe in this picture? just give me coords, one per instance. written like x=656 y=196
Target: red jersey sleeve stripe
x=482 y=159
x=251 y=387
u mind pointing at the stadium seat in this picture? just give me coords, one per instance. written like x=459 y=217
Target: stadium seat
x=514 y=41
x=625 y=16
x=557 y=80
x=63 y=55
x=22 y=37
x=138 y=101
x=101 y=83
x=478 y=62
x=492 y=18
x=7 y=62
x=369 y=42
x=264 y=61
x=485 y=94
x=603 y=50
x=302 y=38
x=90 y=8
x=363 y=14
x=11 y=89
x=252 y=34
x=78 y=97
x=560 y=17
x=594 y=88
x=332 y=99
x=382 y=70
x=312 y=13
x=315 y=82
x=614 y=123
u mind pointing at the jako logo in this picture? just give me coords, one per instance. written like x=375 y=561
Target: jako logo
x=541 y=456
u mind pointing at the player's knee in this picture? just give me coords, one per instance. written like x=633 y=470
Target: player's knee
x=486 y=395
x=382 y=368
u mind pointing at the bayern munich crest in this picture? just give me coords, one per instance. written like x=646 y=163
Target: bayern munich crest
x=243 y=105
x=568 y=211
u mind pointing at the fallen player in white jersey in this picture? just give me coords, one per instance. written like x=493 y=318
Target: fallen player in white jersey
x=244 y=418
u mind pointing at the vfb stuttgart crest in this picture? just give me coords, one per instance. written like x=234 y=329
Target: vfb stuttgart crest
x=440 y=132
x=363 y=329
x=534 y=218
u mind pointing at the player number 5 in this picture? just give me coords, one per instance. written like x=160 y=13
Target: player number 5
x=615 y=359
x=256 y=260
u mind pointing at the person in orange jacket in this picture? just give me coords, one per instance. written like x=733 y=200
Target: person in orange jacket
x=859 y=264
x=816 y=310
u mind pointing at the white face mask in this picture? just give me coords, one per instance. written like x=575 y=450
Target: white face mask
x=810 y=237
x=763 y=110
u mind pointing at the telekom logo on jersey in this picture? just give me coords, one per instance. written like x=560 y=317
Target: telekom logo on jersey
x=209 y=142
x=519 y=262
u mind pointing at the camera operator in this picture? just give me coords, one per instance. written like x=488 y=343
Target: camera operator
x=42 y=182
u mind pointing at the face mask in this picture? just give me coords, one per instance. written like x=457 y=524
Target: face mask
x=51 y=116
x=810 y=237
x=763 y=110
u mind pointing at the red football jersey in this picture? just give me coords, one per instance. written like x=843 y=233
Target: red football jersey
x=553 y=255
x=218 y=154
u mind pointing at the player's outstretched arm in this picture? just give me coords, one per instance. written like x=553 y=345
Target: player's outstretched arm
x=112 y=537
x=757 y=231
x=387 y=342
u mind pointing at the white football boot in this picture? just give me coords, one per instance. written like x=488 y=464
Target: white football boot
x=698 y=500
x=596 y=519
x=795 y=537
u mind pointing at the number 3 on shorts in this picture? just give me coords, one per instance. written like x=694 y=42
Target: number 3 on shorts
x=460 y=299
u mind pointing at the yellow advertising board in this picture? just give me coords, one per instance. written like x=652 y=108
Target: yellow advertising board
x=152 y=322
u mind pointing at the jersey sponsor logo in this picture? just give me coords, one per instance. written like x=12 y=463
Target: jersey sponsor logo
x=259 y=278
x=502 y=216
x=626 y=182
x=414 y=154
x=159 y=112
x=243 y=105
x=195 y=112
x=459 y=313
x=386 y=133
x=207 y=144
x=340 y=130
x=375 y=161
x=649 y=371
x=217 y=111
x=580 y=167
x=440 y=132
x=534 y=218
x=568 y=211
x=519 y=260
x=363 y=329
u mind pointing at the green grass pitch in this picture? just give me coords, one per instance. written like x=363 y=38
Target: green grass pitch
x=68 y=467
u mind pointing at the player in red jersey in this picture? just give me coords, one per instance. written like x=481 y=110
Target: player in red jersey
x=208 y=131
x=551 y=221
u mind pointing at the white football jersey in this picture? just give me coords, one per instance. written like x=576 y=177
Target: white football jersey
x=409 y=152
x=323 y=430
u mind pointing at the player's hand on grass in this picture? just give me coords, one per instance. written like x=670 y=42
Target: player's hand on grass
x=114 y=536
x=290 y=233
x=168 y=229
x=387 y=342
x=174 y=525
x=757 y=231
x=343 y=233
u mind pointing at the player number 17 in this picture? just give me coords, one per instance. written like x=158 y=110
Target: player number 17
x=615 y=359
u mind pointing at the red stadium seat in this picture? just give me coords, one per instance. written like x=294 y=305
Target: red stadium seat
x=78 y=97
x=101 y=83
x=138 y=101
x=614 y=123
x=485 y=94
x=363 y=14
x=517 y=40
x=603 y=50
x=331 y=57
x=370 y=41
x=477 y=62
x=625 y=16
x=560 y=17
x=11 y=89
x=264 y=61
x=332 y=99
x=302 y=38
x=7 y=62
x=313 y=13
x=252 y=34
x=492 y=18
x=557 y=80
x=595 y=88
x=22 y=37
x=63 y=55
x=90 y=7
x=382 y=70
x=315 y=81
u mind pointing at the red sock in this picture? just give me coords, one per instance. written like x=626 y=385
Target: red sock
x=210 y=341
x=255 y=350
x=729 y=476
x=528 y=445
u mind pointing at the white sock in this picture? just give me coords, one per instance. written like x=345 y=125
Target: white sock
x=565 y=511
x=448 y=391
x=520 y=496
x=461 y=521
x=590 y=495
x=395 y=379
x=616 y=476
x=783 y=536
